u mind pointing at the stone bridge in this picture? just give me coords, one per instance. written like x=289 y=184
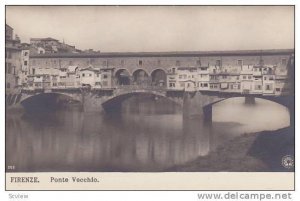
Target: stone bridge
x=110 y=100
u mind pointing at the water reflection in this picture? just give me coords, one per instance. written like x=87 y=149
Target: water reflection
x=132 y=141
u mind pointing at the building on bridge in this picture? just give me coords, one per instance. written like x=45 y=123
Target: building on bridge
x=203 y=78
x=257 y=79
x=228 y=71
x=268 y=80
x=246 y=78
x=96 y=78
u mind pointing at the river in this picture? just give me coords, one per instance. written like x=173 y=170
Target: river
x=149 y=135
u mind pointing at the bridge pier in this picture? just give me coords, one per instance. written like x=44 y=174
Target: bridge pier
x=198 y=104
x=249 y=100
x=207 y=111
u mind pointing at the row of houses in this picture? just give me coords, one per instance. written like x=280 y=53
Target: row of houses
x=246 y=79
x=71 y=77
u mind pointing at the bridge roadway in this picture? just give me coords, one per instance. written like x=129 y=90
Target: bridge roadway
x=110 y=100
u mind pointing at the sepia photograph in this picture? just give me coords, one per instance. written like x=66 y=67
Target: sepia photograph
x=148 y=89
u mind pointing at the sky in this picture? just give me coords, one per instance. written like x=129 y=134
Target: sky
x=157 y=28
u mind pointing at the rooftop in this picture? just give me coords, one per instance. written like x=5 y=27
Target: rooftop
x=168 y=54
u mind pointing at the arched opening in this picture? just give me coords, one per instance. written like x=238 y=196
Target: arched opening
x=122 y=77
x=142 y=103
x=264 y=114
x=159 y=78
x=49 y=102
x=140 y=77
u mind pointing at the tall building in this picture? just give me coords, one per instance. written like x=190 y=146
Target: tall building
x=25 y=70
x=12 y=60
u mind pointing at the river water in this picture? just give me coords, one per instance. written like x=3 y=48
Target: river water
x=149 y=135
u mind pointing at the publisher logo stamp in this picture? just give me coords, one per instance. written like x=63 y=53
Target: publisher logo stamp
x=287 y=161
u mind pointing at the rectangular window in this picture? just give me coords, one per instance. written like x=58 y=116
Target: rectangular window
x=8 y=68
x=140 y=62
x=278 y=89
x=205 y=84
x=25 y=53
x=83 y=74
x=244 y=77
x=249 y=77
x=257 y=87
x=105 y=76
x=177 y=63
x=218 y=62
x=171 y=84
x=25 y=63
x=240 y=62
x=268 y=87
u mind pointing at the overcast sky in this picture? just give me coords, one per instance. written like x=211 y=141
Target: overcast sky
x=165 y=28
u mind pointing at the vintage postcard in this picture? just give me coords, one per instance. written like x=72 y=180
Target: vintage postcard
x=149 y=97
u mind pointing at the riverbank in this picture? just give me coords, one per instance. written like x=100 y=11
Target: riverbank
x=252 y=152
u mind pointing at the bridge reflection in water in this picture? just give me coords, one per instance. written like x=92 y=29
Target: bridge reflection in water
x=136 y=140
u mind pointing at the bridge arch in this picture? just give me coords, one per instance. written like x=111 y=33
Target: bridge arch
x=159 y=77
x=48 y=101
x=114 y=103
x=286 y=101
x=122 y=77
x=140 y=77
